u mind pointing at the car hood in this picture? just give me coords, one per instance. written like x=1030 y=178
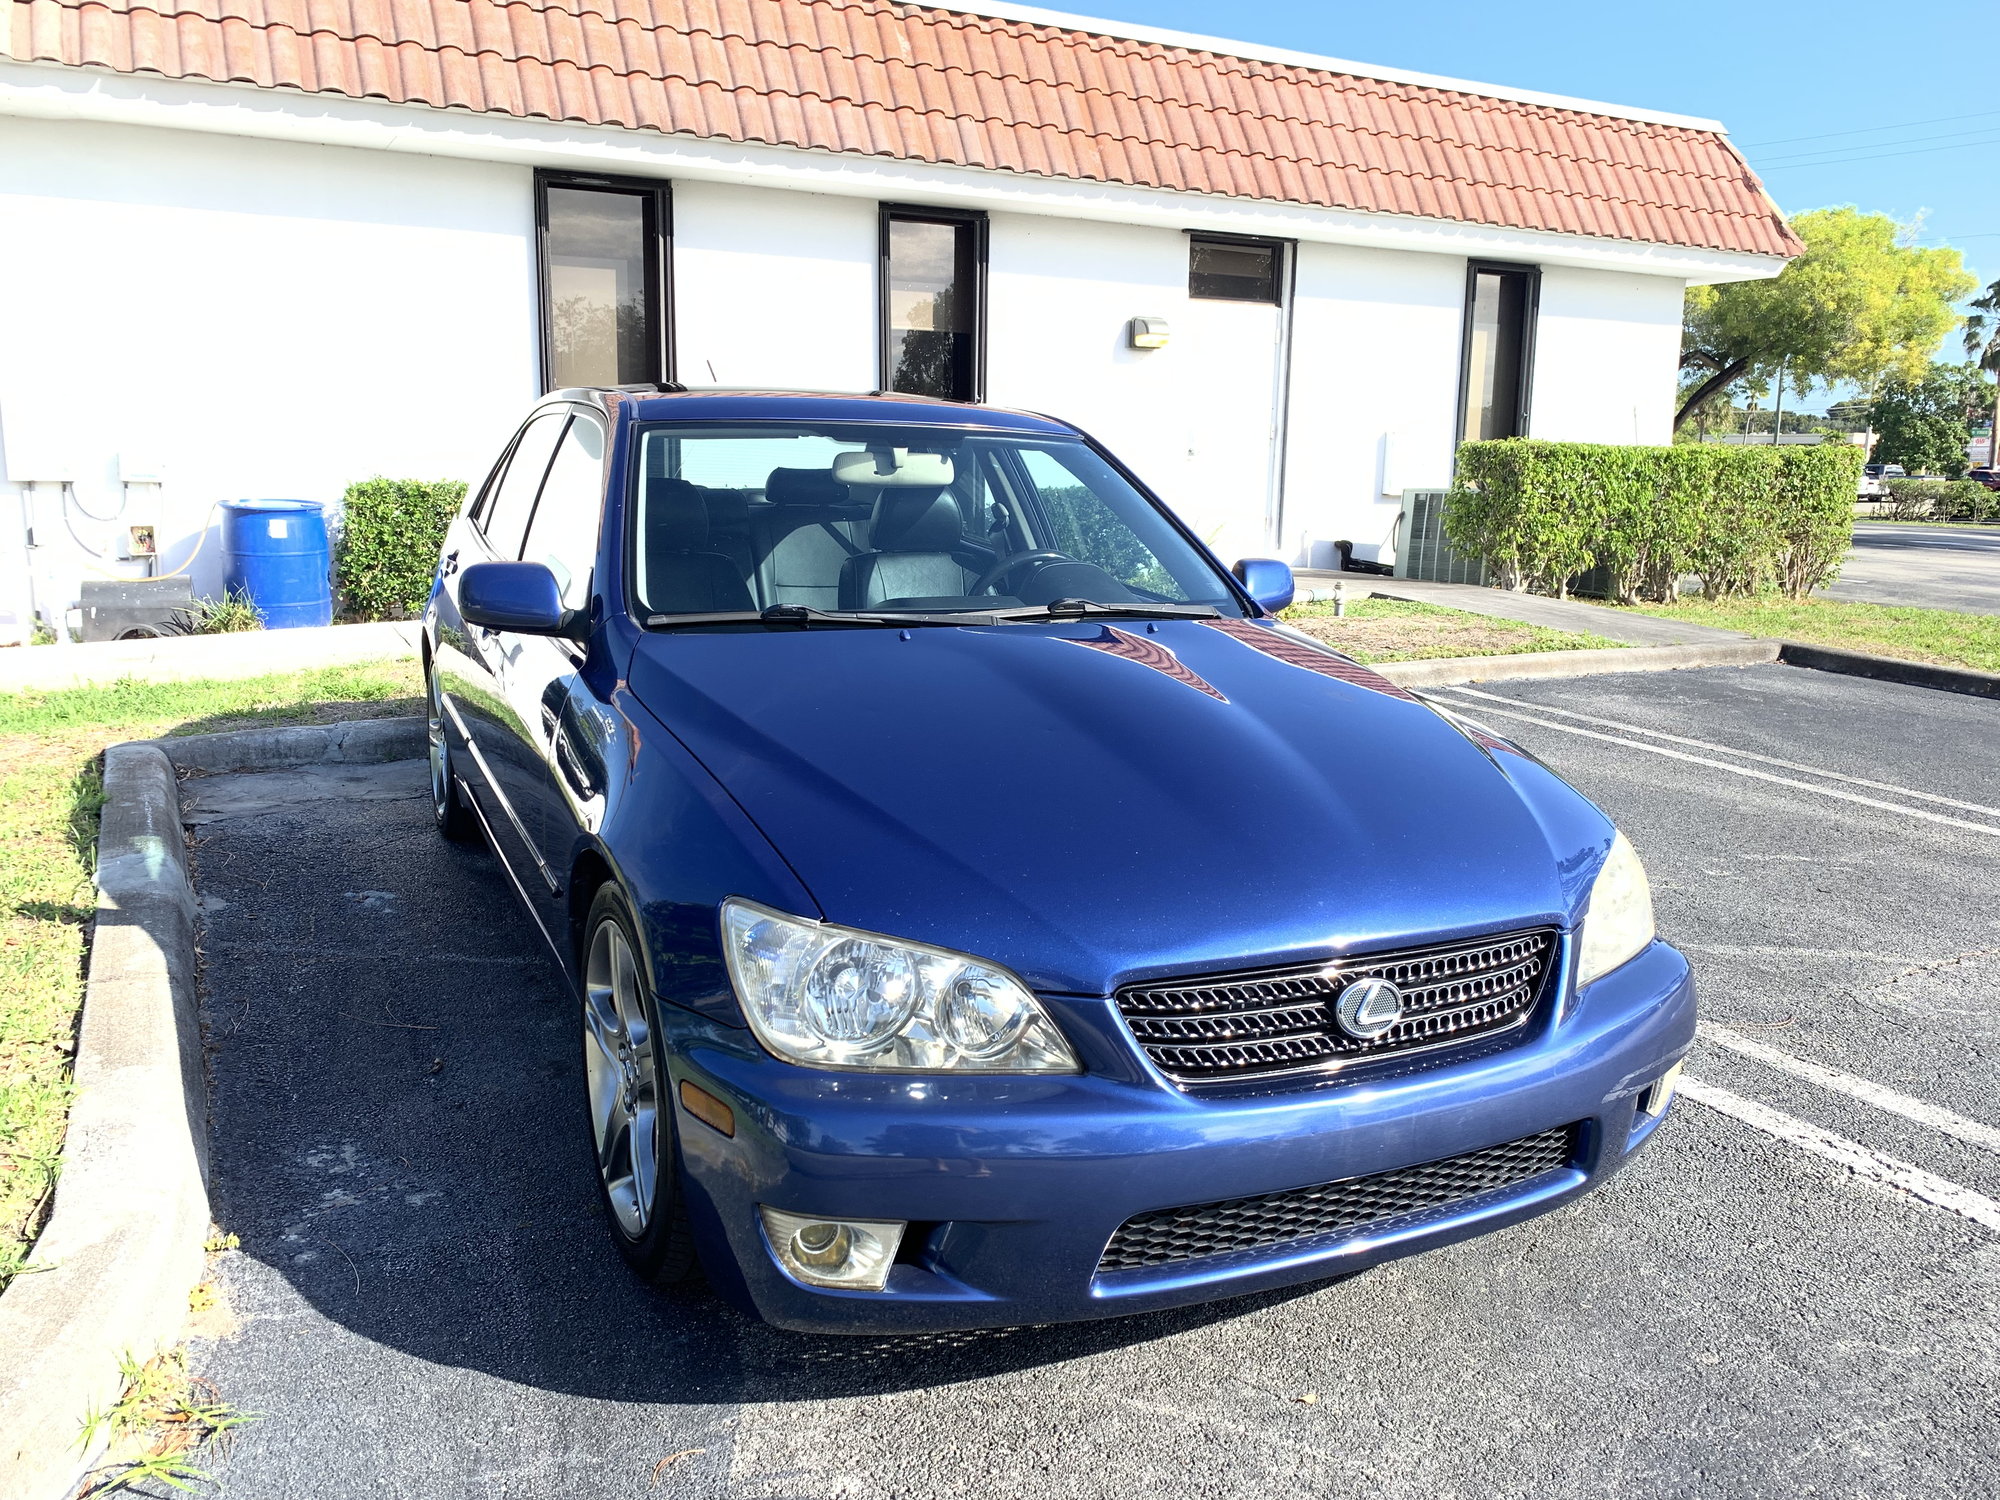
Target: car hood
x=1093 y=804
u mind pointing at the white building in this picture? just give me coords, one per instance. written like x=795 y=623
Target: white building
x=270 y=247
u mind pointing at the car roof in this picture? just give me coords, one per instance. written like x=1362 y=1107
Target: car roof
x=725 y=405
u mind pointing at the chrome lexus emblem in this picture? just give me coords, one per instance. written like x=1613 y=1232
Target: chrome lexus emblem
x=1367 y=1008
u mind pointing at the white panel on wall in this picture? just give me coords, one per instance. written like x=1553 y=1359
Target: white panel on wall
x=774 y=288
x=1607 y=353
x=254 y=318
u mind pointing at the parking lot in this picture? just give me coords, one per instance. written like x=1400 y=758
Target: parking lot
x=1793 y=1292
x=1937 y=567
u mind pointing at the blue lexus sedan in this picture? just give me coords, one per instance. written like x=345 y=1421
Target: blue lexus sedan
x=978 y=910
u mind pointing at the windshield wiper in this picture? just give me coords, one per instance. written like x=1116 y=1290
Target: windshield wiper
x=799 y=616
x=1138 y=609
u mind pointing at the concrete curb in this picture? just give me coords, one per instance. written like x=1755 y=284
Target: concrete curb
x=123 y=1248
x=1447 y=670
x=1891 y=669
x=354 y=742
x=124 y=1245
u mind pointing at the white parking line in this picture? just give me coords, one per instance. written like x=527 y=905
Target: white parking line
x=1902 y=1178
x=1769 y=760
x=1922 y=813
x=1946 y=1122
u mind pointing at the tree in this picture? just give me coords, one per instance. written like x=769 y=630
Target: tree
x=1857 y=305
x=1982 y=347
x=1923 y=423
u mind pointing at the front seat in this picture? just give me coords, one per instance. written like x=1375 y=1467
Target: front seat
x=682 y=575
x=913 y=532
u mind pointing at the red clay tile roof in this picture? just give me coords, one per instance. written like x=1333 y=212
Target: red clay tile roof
x=879 y=78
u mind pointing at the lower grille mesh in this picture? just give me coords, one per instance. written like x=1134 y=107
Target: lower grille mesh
x=1176 y=1234
x=1274 y=1021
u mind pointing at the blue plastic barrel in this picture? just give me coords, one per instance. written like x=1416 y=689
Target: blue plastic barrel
x=275 y=552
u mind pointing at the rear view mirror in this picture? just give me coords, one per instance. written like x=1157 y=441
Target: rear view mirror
x=522 y=597
x=1266 y=580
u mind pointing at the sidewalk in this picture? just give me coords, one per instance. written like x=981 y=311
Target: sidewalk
x=1530 y=609
x=251 y=653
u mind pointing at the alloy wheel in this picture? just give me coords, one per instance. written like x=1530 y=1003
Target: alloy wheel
x=622 y=1069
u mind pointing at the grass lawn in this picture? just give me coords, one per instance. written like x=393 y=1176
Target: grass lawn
x=51 y=753
x=1379 y=630
x=1943 y=636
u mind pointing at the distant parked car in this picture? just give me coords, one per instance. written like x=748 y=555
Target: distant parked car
x=977 y=910
x=1989 y=477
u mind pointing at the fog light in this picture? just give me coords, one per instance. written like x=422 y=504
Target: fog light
x=1658 y=1094
x=851 y=1253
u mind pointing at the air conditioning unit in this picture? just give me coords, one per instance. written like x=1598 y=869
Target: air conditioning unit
x=1422 y=550
x=131 y=609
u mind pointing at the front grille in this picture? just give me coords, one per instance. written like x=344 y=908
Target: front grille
x=1176 y=1234
x=1281 y=1020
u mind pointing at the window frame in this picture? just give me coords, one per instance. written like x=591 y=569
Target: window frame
x=482 y=513
x=1281 y=261
x=1531 y=313
x=976 y=220
x=659 y=249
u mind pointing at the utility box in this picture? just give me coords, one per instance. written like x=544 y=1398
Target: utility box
x=132 y=609
x=1422 y=548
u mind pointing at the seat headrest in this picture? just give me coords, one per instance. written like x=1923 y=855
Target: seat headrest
x=804 y=487
x=914 y=520
x=676 y=516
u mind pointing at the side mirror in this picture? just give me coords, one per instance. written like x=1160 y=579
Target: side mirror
x=519 y=596
x=1266 y=580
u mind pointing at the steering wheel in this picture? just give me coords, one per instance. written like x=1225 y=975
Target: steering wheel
x=1012 y=561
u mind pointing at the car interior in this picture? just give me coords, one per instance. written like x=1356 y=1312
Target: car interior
x=875 y=528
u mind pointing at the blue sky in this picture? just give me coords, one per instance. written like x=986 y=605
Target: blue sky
x=1808 y=91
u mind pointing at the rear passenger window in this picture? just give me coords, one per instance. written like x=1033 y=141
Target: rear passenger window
x=505 y=519
x=563 y=535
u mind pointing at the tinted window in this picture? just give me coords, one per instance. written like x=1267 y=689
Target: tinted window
x=1496 y=354
x=563 y=534
x=1082 y=525
x=1232 y=271
x=931 y=285
x=600 y=251
x=505 y=518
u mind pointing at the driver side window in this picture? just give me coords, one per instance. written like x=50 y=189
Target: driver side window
x=1082 y=526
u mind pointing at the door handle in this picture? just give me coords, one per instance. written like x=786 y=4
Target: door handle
x=449 y=565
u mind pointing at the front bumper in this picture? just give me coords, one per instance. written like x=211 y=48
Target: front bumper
x=1013 y=1186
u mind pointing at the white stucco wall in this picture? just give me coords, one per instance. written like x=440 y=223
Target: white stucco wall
x=1374 y=393
x=251 y=318
x=774 y=288
x=1607 y=348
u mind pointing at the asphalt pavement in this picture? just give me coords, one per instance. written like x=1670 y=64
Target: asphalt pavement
x=1792 y=1292
x=1936 y=567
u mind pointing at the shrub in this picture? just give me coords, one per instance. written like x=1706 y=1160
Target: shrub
x=1739 y=518
x=231 y=613
x=390 y=535
x=1941 y=500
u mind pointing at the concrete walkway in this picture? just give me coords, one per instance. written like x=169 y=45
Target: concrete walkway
x=180 y=658
x=1529 y=609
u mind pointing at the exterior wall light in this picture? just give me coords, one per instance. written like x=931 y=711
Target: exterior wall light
x=1146 y=333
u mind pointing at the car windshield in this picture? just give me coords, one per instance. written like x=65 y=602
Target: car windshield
x=902 y=520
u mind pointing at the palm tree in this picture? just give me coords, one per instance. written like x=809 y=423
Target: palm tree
x=1982 y=347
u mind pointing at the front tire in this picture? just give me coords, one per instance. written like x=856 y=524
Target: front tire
x=454 y=819
x=631 y=1108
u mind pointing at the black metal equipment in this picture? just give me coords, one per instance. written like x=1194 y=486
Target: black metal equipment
x=131 y=609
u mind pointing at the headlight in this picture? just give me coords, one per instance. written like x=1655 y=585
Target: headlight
x=834 y=997
x=1618 y=923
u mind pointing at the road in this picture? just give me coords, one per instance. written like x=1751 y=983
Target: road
x=1792 y=1293
x=1937 y=567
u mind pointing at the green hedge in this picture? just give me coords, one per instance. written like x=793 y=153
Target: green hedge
x=1740 y=518
x=1941 y=500
x=390 y=535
